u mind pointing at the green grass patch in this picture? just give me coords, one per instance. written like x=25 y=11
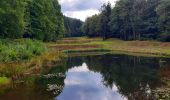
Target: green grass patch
x=4 y=80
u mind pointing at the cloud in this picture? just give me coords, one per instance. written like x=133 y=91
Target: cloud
x=81 y=9
x=82 y=15
x=79 y=5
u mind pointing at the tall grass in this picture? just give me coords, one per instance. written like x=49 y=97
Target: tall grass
x=19 y=50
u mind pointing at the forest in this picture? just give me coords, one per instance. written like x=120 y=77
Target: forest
x=131 y=20
x=36 y=19
x=127 y=20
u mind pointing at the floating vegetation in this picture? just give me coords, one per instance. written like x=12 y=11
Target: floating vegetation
x=56 y=89
x=19 y=81
x=54 y=75
x=162 y=94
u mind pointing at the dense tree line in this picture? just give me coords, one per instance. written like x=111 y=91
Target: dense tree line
x=131 y=20
x=39 y=19
x=73 y=27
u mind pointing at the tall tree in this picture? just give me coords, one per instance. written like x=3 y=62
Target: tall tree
x=73 y=27
x=46 y=20
x=60 y=28
x=12 y=22
x=105 y=20
x=133 y=20
x=163 y=10
x=149 y=27
x=92 y=26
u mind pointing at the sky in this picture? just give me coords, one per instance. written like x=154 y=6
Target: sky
x=81 y=9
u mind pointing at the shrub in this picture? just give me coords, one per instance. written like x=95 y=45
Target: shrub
x=18 y=50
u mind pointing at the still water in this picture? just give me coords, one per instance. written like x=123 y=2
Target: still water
x=99 y=77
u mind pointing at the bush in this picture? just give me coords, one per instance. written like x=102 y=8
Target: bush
x=18 y=50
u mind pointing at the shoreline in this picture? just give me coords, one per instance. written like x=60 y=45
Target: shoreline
x=61 y=48
x=143 y=48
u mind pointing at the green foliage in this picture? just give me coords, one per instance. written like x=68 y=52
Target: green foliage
x=46 y=20
x=12 y=22
x=92 y=26
x=73 y=27
x=20 y=50
x=3 y=80
x=163 y=11
x=39 y=19
x=131 y=20
x=105 y=20
x=99 y=25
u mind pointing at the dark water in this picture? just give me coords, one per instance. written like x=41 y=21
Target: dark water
x=104 y=77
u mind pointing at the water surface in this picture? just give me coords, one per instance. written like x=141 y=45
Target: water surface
x=100 y=77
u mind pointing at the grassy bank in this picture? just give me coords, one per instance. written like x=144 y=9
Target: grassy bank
x=140 y=47
x=24 y=57
x=20 y=57
x=114 y=45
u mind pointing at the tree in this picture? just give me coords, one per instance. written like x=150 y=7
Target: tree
x=73 y=27
x=105 y=20
x=92 y=26
x=60 y=28
x=46 y=20
x=39 y=19
x=163 y=10
x=132 y=20
x=150 y=29
x=12 y=21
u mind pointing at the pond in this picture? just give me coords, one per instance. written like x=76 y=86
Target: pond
x=95 y=77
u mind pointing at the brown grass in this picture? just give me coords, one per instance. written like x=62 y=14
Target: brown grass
x=74 y=47
x=141 y=47
x=33 y=66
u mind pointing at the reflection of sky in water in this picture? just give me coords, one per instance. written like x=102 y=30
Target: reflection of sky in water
x=83 y=84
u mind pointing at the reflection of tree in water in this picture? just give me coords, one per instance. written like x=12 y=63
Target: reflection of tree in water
x=135 y=77
x=165 y=68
